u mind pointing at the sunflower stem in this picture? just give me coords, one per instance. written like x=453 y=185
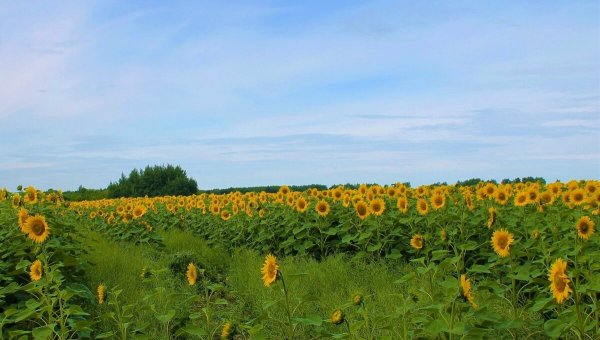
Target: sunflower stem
x=287 y=306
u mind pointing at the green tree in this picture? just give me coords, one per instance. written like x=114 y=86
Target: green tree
x=153 y=181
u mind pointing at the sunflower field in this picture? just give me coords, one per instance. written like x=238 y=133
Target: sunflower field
x=506 y=261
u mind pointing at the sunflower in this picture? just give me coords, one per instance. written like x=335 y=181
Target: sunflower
x=192 y=274
x=492 y=218
x=465 y=285
x=270 y=270
x=23 y=215
x=322 y=208
x=402 y=204
x=35 y=271
x=417 y=241
x=362 y=210
x=535 y=234
x=36 y=228
x=100 y=290
x=438 y=201
x=225 y=215
x=139 y=211
x=577 y=196
x=443 y=234
x=585 y=227
x=214 y=208
x=422 y=206
x=226 y=331
x=337 y=317
x=501 y=240
x=377 y=206
x=261 y=212
x=337 y=194
x=31 y=196
x=16 y=200
x=301 y=204
x=559 y=282
x=521 y=199
x=357 y=299
x=501 y=196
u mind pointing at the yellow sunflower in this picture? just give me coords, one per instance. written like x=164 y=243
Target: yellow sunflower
x=225 y=215
x=35 y=271
x=501 y=240
x=492 y=218
x=23 y=216
x=402 y=204
x=438 y=201
x=301 y=204
x=417 y=241
x=521 y=199
x=362 y=210
x=559 y=282
x=270 y=270
x=16 y=200
x=501 y=196
x=31 y=196
x=377 y=206
x=577 y=196
x=322 y=208
x=100 y=290
x=226 y=331
x=192 y=274
x=337 y=317
x=585 y=227
x=139 y=211
x=36 y=228
x=422 y=206
x=465 y=285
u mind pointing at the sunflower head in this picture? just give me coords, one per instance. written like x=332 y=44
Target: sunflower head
x=492 y=218
x=35 y=271
x=377 y=206
x=559 y=282
x=226 y=331
x=357 y=299
x=225 y=215
x=422 y=206
x=585 y=227
x=535 y=234
x=36 y=228
x=402 y=204
x=417 y=241
x=438 y=201
x=23 y=216
x=577 y=196
x=16 y=200
x=192 y=274
x=465 y=285
x=322 y=208
x=101 y=290
x=270 y=270
x=31 y=196
x=301 y=204
x=362 y=210
x=501 y=240
x=139 y=211
x=337 y=317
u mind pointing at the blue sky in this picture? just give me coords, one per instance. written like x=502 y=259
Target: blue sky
x=243 y=93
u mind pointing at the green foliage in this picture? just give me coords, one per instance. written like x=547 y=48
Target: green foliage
x=85 y=194
x=153 y=181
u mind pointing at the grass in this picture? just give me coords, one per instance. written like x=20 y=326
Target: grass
x=316 y=288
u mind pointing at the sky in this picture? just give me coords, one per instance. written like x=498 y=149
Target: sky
x=248 y=93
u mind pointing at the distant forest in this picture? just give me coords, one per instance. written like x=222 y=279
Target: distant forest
x=163 y=180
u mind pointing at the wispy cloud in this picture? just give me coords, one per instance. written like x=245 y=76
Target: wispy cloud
x=249 y=94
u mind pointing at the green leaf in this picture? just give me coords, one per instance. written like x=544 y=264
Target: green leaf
x=554 y=327
x=43 y=332
x=196 y=330
x=312 y=320
x=164 y=318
